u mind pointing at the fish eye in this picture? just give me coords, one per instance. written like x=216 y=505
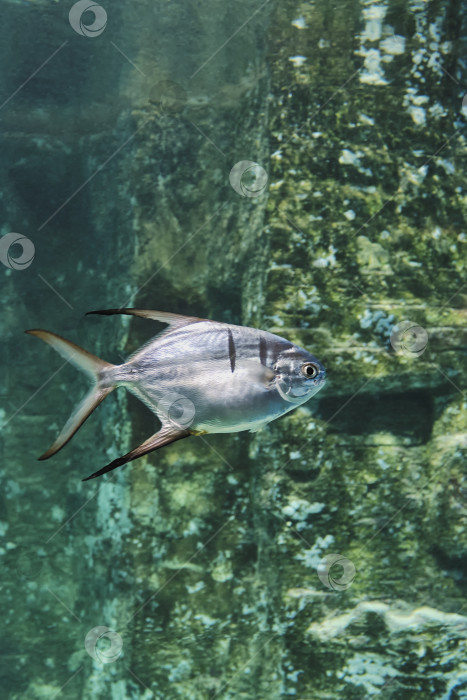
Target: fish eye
x=309 y=370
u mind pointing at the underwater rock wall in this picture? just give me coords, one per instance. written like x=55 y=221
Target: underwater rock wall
x=366 y=219
x=125 y=196
x=365 y=228
x=61 y=539
x=201 y=246
x=204 y=557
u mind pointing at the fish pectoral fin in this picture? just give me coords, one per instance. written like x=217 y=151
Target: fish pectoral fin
x=173 y=320
x=258 y=373
x=164 y=437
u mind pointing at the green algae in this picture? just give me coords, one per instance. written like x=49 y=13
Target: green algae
x=205 y=557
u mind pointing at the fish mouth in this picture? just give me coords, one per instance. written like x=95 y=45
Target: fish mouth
x=301 y=393
x=320 y=379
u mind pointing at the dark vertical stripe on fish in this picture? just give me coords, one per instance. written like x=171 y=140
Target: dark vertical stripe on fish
x=232 y=352
x=263 y=350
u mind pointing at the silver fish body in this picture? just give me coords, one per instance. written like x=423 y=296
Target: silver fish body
x=222 y=378
x=200 y=376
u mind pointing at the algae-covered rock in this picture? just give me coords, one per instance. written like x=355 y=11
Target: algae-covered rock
x=323 y=557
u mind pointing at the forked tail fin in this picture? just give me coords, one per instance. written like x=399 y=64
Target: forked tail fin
x=92 y=366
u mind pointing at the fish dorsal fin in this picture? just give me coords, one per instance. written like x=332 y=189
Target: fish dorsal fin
x=173 y=320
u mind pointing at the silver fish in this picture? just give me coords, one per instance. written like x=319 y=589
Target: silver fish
x=197 y=376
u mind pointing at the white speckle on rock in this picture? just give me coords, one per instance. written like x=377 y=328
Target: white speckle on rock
x=347 y=157
x=206 y=620
x=448 y=167
x=57 y=513
x=365 y=119
x=197 y=587
x=393 y=45
x=328 y=260
x=297 y=60
x=373 y=72
x=312 y=557
x=299 y=509
x=437 y=110
x=299 y=23
x=374 y=16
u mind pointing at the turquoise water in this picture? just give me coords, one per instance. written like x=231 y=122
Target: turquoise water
x=294 y=167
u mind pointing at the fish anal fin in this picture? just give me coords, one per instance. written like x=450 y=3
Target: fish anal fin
x=165 y=436
x=173 y=320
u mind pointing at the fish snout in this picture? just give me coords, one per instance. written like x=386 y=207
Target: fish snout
x=321 y=378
